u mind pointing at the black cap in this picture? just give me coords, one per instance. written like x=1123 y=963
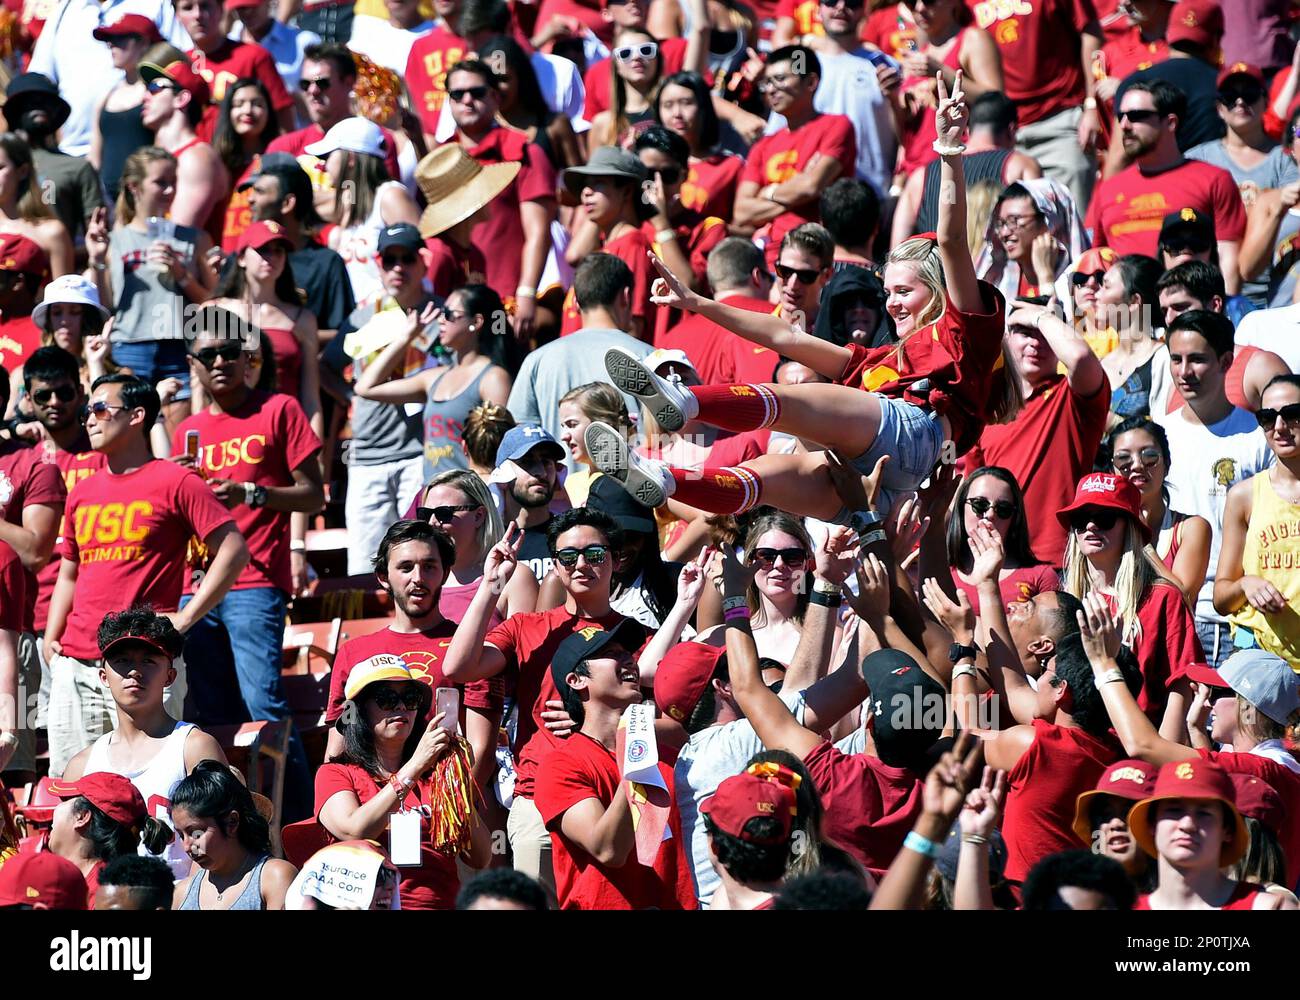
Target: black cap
x=908 y=707
x=1187 y=222
x=586 y=643
x=629 y=514
x=401 y=234
x=34 y=90
x=276 y=161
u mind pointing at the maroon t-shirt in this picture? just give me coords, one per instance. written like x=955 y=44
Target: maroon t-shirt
x=28 y=477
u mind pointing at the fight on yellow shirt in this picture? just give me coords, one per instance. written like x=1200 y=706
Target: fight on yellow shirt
x=1272 y=552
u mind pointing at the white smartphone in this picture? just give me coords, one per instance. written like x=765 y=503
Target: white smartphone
x=448 y=706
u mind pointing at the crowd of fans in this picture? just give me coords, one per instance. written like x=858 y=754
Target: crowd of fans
x=818 y=455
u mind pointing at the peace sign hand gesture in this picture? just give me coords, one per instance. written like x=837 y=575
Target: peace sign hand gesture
x=951 y=117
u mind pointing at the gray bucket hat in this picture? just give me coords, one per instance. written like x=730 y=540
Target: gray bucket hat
x=607 y=161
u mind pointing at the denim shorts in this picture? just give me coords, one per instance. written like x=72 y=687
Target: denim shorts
x=912 y=437
x=155 y=360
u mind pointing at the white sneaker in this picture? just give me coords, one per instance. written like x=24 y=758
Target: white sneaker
x=666 y=398
x=647 y=480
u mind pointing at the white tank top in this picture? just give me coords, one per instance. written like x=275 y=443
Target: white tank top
x=358 y=245
x=155 y=782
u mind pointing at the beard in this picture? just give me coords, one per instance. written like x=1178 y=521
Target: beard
x=404 y=604
x=529 y=502
x=1135 y=146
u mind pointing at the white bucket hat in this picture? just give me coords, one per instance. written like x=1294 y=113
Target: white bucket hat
x=72 y=289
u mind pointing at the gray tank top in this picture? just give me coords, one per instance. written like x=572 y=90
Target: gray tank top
x=249 y=899
x=444 y=426
x=149 y=306
x=1286 y=262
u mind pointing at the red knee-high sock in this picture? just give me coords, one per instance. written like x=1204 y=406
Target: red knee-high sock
x=745 y=407
x=719 y=491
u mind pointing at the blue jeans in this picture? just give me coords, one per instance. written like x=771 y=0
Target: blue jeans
x=155 y=360
x=233 y=657
x=1208 y=632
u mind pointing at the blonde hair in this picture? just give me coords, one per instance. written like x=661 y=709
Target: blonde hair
x=601 y=401
x=134 y=171
x=475 y=490
x=484 y=428
x=981 y=199
x=922 y=253
x=1139 y=571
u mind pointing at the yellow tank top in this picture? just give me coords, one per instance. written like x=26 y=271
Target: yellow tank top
x=1272 y=551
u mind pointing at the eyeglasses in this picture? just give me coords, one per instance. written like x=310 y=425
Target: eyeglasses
x=594 y=554
x=670 y=175
x=388 y=699
x=769 y=83
x=1229 y=96
x=64 y=394
x=444 y=512
x=1139 y=116
x=1103 y=519
x=391 y=260
x=794 y=558
x=1013 y=222
x=156 y=86
x=99 y=410
x=476 y=93
x=1078 y=279
x=646 y=50
x=226 y=352
x=1290 y=414
x=1123 y=460
x=1003 y=509
x=806 y=275
x=323 y=82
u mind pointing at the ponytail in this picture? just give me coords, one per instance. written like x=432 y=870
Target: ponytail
x=155 y=835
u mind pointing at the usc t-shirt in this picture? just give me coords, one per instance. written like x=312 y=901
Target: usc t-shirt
x=581 y=768
x=73 y=466
x=632 y=249
x=431 y=59
x=260 y=442
x=1285 y=782
x=128 y=538
x=233 y=61
x=1165 y=646
x=19 y=337
x=710 y=185
x=721 y=357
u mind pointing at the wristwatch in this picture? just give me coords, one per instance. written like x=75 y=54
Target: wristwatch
x=254 y=496
x=865 y=522
x=959 y=652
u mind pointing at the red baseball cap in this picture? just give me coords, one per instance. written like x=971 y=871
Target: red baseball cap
x=683 y=676
x=1240 y=69
x=1197 y=21
x=112 y=794
x=129 y=24
x=43 y=881
x=1259 y=800
x=241 y=4
x=1097 y=259
x=1203 y=673
x=261 y=234
x=143 y=640
x=1104 y=489
x=18 y=253
x=1191 y=779
x=747 y=796
x=181 y=73
x=1134 y=780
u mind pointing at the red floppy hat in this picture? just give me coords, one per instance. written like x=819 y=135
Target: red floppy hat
x=1134 y=780
x=1191 y=779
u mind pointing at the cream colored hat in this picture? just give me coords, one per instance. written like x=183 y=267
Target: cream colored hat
x=456 y=186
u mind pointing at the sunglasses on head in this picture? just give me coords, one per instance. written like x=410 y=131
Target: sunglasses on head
x=1123 y=460
x=1290 y=415
x=1103 y=519
x=806 y=275
x=594 y=554
x=444 y=512
x=388 y=699
x=646 y=50
x=64 y=394
x=226 y=352
x=459 y=94
x=1003 y=509
x=794 y=558
x=1079 y=278
x=323 y=82
x=1139 y=116
x=1229 y=96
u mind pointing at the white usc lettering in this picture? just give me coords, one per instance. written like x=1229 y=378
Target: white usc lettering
x=237 y=451
x=107 y=524
x=999 y=10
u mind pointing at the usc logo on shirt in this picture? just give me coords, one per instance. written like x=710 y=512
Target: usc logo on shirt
x=782 y=166
x=1000 y=10
x=109 y=523
x=437 y=65
x=237 y=451
x=878 y=376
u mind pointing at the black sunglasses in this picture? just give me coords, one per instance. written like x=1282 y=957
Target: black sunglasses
x=444 y=513
x=1229 y=96
x=806 y=275
x=594 y=554
x=1140 y=116
x=391 y=260
x=1176 y=247
x=64 y=394
x=154 y=86
x=323 y=82
x=226 y=352
x=1002 y=508
x=458 y=95
x=388 y=699
x=1080 y=278
x=794 y=558
x=1290 y=414
x=1103 y=519
x=669 y=175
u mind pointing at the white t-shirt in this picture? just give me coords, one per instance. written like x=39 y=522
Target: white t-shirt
x=1206 y=463
x=383 y=44
x=1276 y=330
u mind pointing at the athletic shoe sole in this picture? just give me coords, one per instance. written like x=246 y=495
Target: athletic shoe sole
x=609 y=450
x=630 y=375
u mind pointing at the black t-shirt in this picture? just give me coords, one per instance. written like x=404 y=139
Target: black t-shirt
x=1196 y=79
x=535 y=553
x=323 y=277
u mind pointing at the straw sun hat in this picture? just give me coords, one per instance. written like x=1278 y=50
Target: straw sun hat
x=456 y=186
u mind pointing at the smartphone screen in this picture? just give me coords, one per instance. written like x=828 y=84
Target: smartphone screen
x=192 y=444
x=448 y=706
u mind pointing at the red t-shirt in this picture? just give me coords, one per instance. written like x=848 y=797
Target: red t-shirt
x=296 y=143
x=1048 y=447
x=579 y=769
x=1060 y=765
x=432 y=56
x=1038 y=40
x=261 y=442
x=721 y=357
x=432 y=886
x=960 y=354
x=503 y=230
x=804 y=13
x=889 y=31
x=74 y=467
x=710 y=185
x=697 y=236
x=19 y=337
x=1274 y=125
x=587 y=12
x=129 y=538
x=528 y=642
x=453 y=267
x=1129 y=53
x=239 y=209
x=631 y=248
x=233 y=61
x=596 y=82
x=777 y=158
x=869 y=806
x=423 y=652
x=1166 y=645
x=13 y=591
x=28 y=477
x=1018 y=585
x=1128 y=209
x=1287 y=785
